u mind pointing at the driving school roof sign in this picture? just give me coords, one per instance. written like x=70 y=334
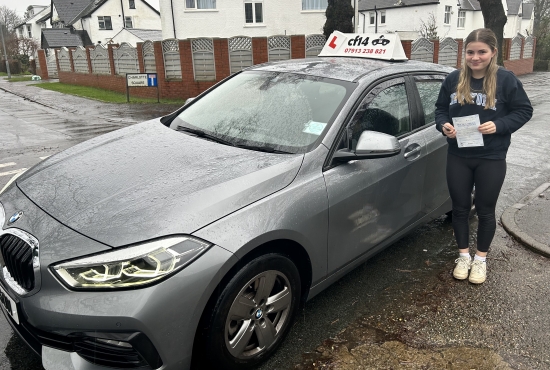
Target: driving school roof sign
x=364 y=45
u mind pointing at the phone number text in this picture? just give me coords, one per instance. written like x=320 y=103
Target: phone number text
x=364 y=51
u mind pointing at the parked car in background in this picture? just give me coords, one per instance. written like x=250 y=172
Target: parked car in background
x=195 y=238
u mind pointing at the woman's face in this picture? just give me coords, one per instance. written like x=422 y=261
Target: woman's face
x=478 y=57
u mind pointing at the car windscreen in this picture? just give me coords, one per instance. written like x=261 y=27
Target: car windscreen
x=283 y=112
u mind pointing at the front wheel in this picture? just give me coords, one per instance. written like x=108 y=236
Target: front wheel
x=253 y=313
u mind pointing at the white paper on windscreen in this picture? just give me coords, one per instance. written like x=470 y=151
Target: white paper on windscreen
x=467 y=134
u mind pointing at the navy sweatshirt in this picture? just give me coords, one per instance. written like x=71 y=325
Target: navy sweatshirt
x=513 y=109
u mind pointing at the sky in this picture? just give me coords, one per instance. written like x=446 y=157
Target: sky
x=20 y=6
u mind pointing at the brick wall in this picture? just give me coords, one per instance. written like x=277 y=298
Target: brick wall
x=187 y=86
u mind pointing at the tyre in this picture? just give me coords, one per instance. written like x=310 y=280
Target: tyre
x=252 y=314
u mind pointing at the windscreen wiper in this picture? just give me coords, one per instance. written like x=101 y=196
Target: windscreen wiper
x=266 y=149
x=203 y=134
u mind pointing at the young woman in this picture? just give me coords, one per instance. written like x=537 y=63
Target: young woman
x=497 y=97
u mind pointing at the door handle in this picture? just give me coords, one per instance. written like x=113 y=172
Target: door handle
x=413 y=152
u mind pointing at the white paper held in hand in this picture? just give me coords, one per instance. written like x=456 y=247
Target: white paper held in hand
x=467 y=134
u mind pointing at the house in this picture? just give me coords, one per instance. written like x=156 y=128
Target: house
x=183 y=19
x=36 y=18
x=450 y=18
x=134 y=35
x=100 y=20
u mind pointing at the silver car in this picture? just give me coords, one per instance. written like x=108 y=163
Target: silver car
x=194 y=239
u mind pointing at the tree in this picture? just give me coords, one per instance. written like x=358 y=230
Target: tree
x=339 y=17
x=9 y=18
x=495 y=19
x=428 y=29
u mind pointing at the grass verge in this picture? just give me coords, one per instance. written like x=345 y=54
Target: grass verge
x=100 y=94
x=20 y=78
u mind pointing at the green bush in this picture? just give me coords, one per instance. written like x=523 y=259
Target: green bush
x=15 y=67
x=541 y=65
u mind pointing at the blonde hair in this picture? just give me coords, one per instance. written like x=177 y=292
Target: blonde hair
x=463 y=91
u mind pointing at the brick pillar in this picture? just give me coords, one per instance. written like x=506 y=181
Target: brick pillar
x=43 y=64
x=436 y=51
x=506 y=44
x=407 y=47
x=297 y=46
x=221 y=58
x=259 y=50
x=71 y=60
x=89 y=59
x=111 y=57
x=459 y=54
x=187 y=70
x=139 y=48
x=159 y=63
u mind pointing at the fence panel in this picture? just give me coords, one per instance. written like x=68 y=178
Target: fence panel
x=515 y=48
x=100 y=60
x=528 y=47
x=149 y=62
x=64 y=60
x=422 y=49
x=171 y=56
x=126 y=60
x=203 y=59
x=278 y=48
x=51 y=64
x=314 y=45
x=448 y=52
x=80 y=60
x=240 y=53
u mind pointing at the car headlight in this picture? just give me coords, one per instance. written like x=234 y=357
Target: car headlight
x=12 y=180
x=131 y=267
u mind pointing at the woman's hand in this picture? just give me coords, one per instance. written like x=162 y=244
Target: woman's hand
x=448 y=130
x=488 y=127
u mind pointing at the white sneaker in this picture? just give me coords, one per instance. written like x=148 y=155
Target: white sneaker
x=479 y=272
x=462 y=268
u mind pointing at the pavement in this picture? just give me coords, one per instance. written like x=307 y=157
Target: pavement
x=527 y=220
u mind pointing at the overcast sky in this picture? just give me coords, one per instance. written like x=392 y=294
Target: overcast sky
x=20 y=6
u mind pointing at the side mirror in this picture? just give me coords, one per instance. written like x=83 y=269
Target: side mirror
x=371 y=144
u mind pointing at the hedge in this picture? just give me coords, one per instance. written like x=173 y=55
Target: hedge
x=15 y=67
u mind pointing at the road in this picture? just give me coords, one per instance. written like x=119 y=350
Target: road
x=401 y=309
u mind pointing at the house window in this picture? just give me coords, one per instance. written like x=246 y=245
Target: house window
x=314 y=4
x=29 y=33
x=382 y=17
x=132 y=4
x=253 y=12
x=461 y=18
x=105 y=23
x=372 y=18
x=128 y=22
x=447 y=19
x=200 y=4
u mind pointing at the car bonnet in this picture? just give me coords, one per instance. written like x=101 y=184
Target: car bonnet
x=148 y=181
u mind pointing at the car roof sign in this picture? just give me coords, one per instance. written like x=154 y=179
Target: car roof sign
x=364 y=45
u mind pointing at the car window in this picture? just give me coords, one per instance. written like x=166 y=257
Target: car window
x=428 y=89
x=385 y=109
x=283 y=111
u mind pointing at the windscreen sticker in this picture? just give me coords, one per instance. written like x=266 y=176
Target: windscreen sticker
x=313 y=127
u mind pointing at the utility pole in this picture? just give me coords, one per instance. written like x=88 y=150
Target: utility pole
x=5 y=54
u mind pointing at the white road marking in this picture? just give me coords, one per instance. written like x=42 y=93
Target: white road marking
x=7 y=164
x=42 y=158
x=12 y=172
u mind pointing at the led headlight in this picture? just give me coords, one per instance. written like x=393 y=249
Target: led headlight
x=131 y=267
x=12 y=180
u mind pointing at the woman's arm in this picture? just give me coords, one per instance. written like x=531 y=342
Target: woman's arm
x=520 y=110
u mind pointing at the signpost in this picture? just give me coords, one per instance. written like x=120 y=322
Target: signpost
x=141 y=80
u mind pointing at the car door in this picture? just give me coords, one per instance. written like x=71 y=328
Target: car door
x=371 y=199
x=435 y=189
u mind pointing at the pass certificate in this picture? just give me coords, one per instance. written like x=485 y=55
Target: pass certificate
x=467 y=134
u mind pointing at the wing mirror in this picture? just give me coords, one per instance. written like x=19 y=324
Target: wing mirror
x=371 y=144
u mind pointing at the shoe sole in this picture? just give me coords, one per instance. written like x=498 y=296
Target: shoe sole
x=473 y=281
x=460 y=277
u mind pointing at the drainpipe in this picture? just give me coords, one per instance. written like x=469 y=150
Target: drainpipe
x=123 y=18
x=363 y=14
x=356 y=16
x=173 y=20
x=375 y=20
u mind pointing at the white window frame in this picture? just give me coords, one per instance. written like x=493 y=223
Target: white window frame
x=254 y=15
x=461 y=21
x=194 y=5
x=382 y=17
x=29 y=31
x=314 y=5
x=447 y=18
x=372 y=18
x=101 y=19
x=126 y=19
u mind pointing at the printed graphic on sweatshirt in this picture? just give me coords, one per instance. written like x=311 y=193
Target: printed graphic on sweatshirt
x=478 y=98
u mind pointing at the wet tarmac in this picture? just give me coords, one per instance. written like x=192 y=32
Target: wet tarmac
x=402 y=309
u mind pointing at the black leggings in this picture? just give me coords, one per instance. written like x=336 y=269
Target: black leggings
x=488 y=176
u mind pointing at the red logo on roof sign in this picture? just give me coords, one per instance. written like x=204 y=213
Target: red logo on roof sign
x=333 y=42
